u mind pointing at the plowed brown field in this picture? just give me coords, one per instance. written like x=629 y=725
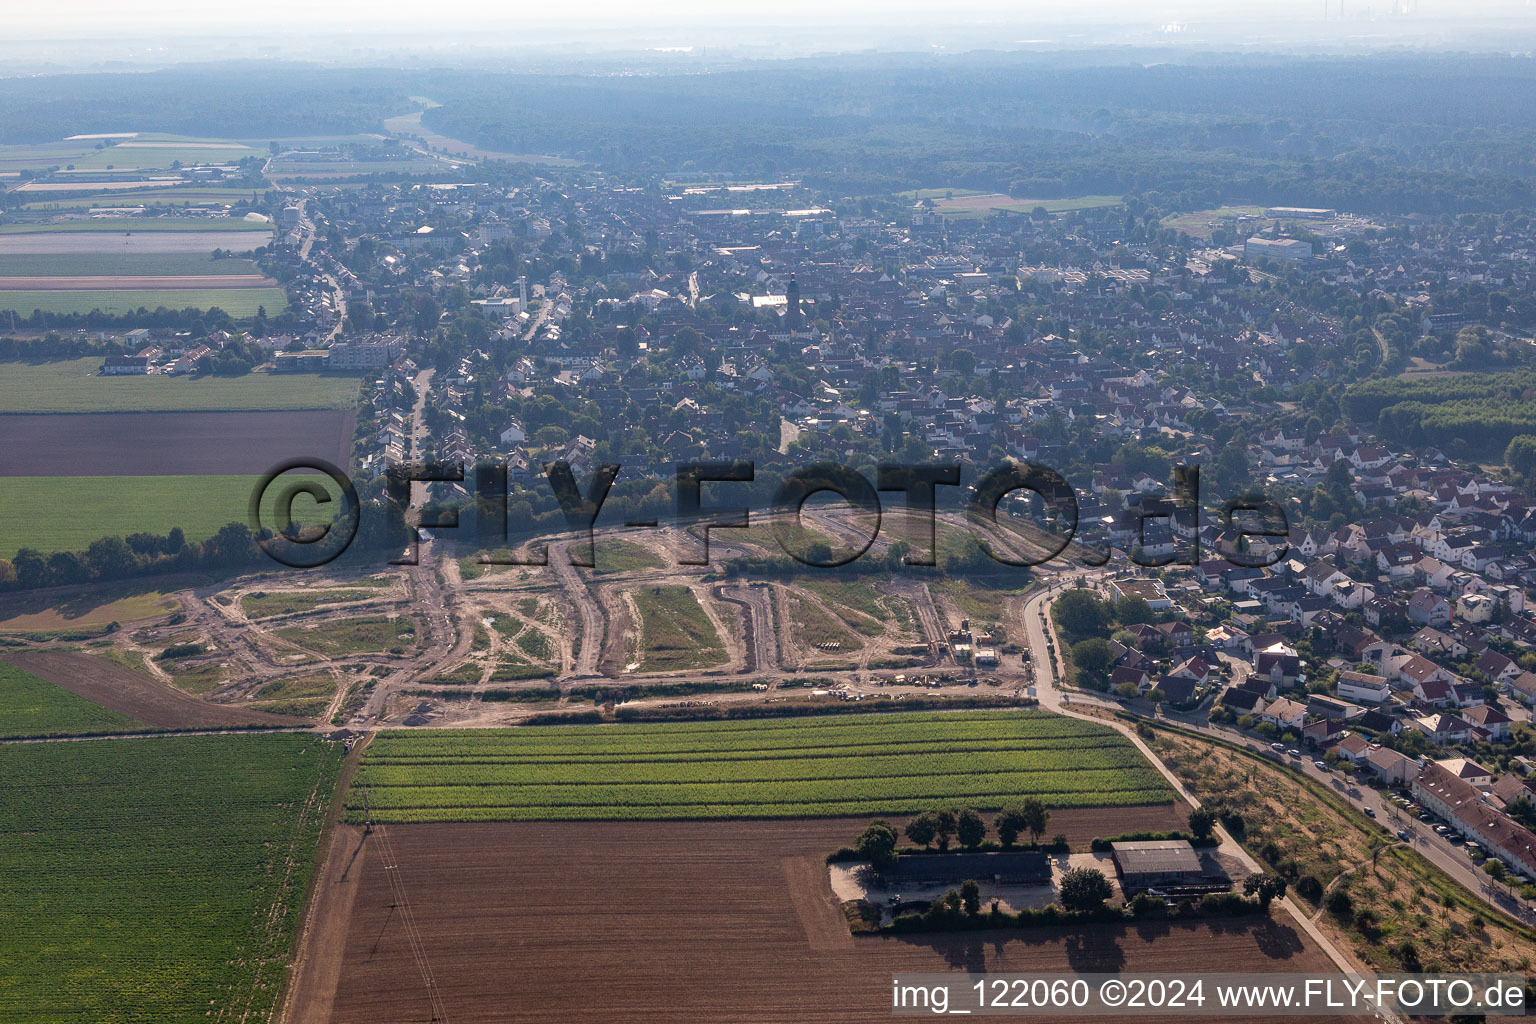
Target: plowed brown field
x=148 y=700
x=594 y=923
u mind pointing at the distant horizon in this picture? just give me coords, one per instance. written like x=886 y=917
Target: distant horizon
x=89 y=34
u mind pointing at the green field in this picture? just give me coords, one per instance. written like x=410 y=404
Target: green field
x=773 y=768
x=67 y=513
x=305 y=697
x=30 y=706
x=161 y=157
x=674 y=631
x=135 y=264
x=939 y=193
x=975 y=205
x=76 y=385
x=614 y=554
x=142 y=154
x=124 y=225
x=158 y=879
x=237 y=302
x=258 y=606
x=195 y=195
x=1199 y=222
x=342 y=637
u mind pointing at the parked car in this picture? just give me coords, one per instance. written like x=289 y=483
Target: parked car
x=1405 y=834
x=1277 y=746
x=1370 y=812
x=1321 y=766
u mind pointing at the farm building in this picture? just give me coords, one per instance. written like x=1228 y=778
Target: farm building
x=1157 y=862
x=117 y=366
x=1016 y=867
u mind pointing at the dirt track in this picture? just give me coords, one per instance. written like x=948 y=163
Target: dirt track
x=713 y=921
x=76 y=284
x=152 y=703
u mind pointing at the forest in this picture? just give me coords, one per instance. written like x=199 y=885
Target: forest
x=1385 y=134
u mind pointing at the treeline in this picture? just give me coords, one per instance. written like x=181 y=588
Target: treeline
x=1471 y=427
x=1365 y=401
x=112 y=559
x=51 y=345
x=1386 y=135
x=223 y=101
x=232 y=550
x=1476 y=413
x=198 y=321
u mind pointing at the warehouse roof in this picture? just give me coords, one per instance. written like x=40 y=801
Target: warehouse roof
x=1156 y=857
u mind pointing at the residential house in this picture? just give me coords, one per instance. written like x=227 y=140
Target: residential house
x=1286 y=713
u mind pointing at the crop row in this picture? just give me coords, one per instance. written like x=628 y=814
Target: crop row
x=778 y=769
x=566 y=740
x=1024 y=719
x=818 y=809
x=146 y=880
x=956 y=787
x=518 y=756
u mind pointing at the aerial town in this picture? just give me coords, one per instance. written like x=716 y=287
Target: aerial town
x=692 y=534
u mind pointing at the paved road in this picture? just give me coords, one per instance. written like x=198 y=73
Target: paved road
x=1448 y=857
x=1445 y=855
x=1053 y=699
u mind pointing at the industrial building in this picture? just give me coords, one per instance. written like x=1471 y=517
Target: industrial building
x=1159 y=862
x=1293 y=249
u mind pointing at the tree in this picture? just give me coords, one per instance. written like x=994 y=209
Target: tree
x=1036 y=817
x=1520 y=454
x=877 y=844
x=970 y=896
x=923 y=829
x=1339 y=903
x=1084 y=889
x=1202 y=823
x=1131 y=610
x=944 y=826
x=1264 y=888
x=971 y=828
x=1079 y=614
x=1093 y=658
x=1010 y=822
x=1495 y=869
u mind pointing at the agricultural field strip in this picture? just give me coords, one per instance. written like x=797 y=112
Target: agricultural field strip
x=727 y=809
x=781 y=769
x=965 y=786
x=155 y=876
x=743 y=753
x=768 y=769
x=764 y=733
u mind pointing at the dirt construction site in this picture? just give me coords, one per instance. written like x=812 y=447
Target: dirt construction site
x=452 y=641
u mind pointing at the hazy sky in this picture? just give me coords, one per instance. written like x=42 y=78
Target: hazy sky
x=87 y=16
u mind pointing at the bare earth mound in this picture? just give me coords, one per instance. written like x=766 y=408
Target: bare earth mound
x=595 y=923
x=123 y=690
